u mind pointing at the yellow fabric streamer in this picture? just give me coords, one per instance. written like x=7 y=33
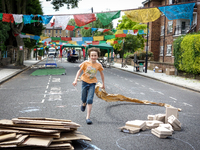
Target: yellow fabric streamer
x=98 y=38
x=143 y=15
x=118 y=97
x=110 y=41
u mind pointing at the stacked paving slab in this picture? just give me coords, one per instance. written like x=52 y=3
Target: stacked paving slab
x=161 y=125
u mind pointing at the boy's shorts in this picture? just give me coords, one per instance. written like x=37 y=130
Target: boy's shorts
x=88 y=90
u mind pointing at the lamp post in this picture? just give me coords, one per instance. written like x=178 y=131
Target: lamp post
x=146 y=60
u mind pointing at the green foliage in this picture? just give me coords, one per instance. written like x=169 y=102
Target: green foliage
x=177 y=52
x=60 y=3
x=141 y=54
x=3 y=35
x=97 y=24
x=190 y=54
x=132 y=42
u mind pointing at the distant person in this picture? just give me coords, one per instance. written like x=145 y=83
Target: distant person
x=89 y=80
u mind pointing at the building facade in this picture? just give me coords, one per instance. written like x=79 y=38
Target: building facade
x=163 y=32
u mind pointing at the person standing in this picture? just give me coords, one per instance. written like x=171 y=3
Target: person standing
x=89 y=80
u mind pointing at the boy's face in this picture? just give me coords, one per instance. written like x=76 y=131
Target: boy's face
x=93 y=56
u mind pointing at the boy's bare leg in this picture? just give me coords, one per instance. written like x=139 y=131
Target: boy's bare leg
x=89 y=108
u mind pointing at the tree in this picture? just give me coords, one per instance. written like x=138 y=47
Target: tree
x=60 y=3
x=131 y=42
x=20 y=7
x=97 y=24
x=4 y=26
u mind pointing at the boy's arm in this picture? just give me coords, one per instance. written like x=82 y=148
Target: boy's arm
x=76 y=78
x=102 y=78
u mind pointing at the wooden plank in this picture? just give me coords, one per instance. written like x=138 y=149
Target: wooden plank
x=15 y=141
x=43 y=122
x=7 y=136
x=49 y=119
x=4 y=130
x=37 y=141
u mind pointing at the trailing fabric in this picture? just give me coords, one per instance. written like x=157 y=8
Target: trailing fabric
x=107 y=37
x=84 y=19
x=66 y=38
x=106 y=18
x=143 y=15
x=69 y=27
x=183 y=11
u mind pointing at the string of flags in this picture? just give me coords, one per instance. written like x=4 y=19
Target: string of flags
x=172 y=12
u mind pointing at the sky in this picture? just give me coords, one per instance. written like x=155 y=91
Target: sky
x=84 y=6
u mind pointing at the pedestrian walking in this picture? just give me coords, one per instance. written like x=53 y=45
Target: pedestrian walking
x=89 y=80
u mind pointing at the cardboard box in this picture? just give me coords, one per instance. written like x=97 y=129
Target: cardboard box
x=158 y=70
x=170 y=71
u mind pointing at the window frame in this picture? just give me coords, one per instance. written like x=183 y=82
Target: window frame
x=169 y=53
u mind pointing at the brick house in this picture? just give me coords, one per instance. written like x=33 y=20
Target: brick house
x=162 y=32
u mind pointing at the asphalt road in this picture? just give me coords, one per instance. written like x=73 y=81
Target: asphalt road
x=55 y=97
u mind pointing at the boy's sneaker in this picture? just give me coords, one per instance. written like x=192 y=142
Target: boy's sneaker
x=88 y=121
x=83 y=108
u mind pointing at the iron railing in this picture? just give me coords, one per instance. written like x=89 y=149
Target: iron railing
x=182 y=1
x=179 y=30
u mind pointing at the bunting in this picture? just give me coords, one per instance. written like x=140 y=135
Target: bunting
x=8 y=18
x=84 y=19
x=69 y=27
x=143 y=15
x=46 y=19
x=98 y=38
x=183 y=11
x=62 y=21
x=106 y=18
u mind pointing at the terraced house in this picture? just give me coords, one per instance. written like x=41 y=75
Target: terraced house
x=163 y=32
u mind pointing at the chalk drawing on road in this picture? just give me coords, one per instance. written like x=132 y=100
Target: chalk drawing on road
x=55 y=92
x=55 y=88
x=55 y=98
x=88 y=146
x=56 y=80
x=148 y=135
x=186 y=104
x=29 y=109
x=173 y=98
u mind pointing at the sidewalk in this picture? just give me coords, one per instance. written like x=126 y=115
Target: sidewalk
x=192 y=84
x=187 y=83
x=9 y=72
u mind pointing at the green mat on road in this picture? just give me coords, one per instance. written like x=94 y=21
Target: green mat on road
x=41 y=72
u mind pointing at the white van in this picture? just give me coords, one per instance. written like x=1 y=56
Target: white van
x=52 y=51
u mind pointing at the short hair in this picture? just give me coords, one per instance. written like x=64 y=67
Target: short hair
x=94 y=49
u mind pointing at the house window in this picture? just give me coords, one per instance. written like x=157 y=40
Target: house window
x=49 y=31
x=162 y=30
x=60 y=31
x=45 y=31
x=169 y=50
x=170 y=27
x=56 y=31
x=161 y=50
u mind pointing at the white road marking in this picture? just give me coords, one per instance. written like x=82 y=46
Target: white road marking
x=56 y=80
x=136 y=83
x=143 y=86
x=161 y=93
x=43 y=101
x=151 y=89
x=125 y=79
x=45 y=95
x=173 y=98
x=47 y=87
x=45 y=91
x=142 y=93
x=187 y=104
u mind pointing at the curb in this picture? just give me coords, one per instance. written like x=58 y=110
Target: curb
x=16 y=73
x=195 y=90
